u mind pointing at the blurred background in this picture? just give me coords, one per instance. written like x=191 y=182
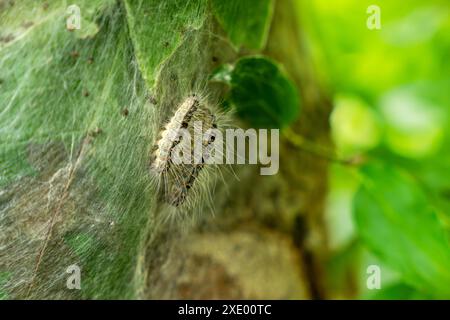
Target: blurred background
x=391 y=97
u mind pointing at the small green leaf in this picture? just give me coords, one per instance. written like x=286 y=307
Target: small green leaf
x=261 y=92
x=396 y=221
x=223 y=73
x=246 y=22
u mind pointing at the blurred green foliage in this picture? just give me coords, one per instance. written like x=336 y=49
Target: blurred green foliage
x=391 y=103
x=396 y=221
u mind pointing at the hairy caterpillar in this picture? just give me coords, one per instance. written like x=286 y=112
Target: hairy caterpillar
x=174 y=178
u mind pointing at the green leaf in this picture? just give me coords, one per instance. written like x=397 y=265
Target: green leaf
x=261 y=92
x=246 y=22
x=395 y=220
x=157 y=29
x=61 y=179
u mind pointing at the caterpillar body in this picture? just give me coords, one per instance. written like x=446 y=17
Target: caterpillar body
x=177 y=179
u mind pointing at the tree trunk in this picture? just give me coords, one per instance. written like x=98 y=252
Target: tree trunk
x=266 y=238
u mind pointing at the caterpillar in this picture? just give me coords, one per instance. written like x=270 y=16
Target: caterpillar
x=174 y=178
x=168 y=138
